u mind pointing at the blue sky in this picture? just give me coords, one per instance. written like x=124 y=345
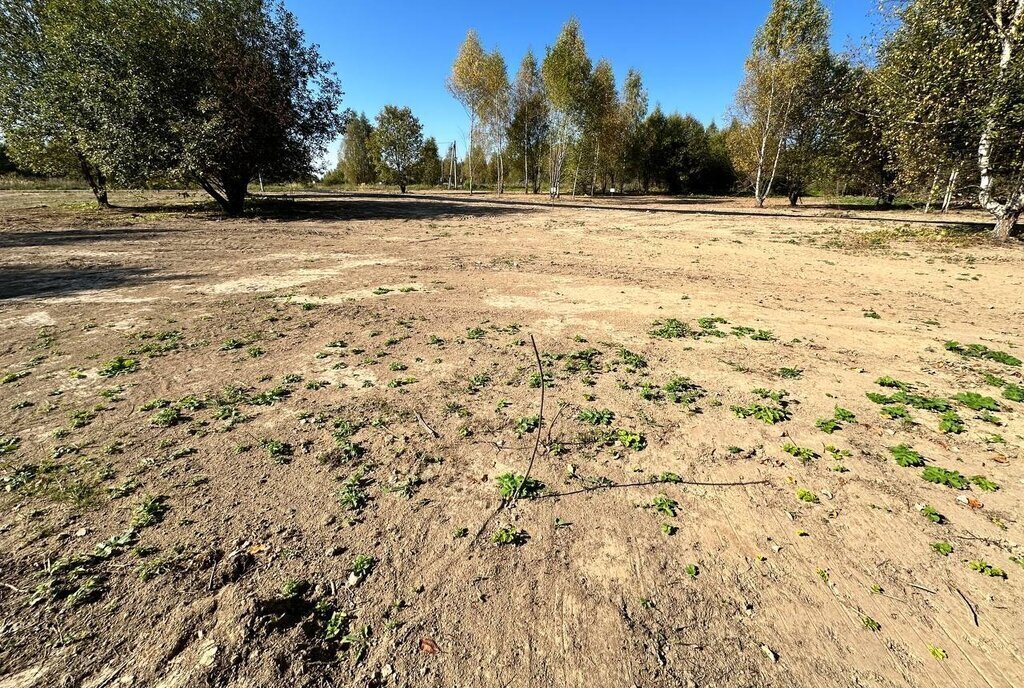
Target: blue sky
x=690 y=52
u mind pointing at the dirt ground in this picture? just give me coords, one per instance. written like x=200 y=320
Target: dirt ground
x=267 y=451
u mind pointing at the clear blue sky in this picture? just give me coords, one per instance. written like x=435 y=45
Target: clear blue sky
x=689 y=52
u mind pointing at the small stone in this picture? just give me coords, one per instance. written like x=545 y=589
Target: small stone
x=81 y=532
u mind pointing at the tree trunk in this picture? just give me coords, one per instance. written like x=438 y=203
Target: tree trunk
x=931 y=192
x=472 y=123
x=1008 y=212
x=235 y=191
x=526 y=153
x=794 y=197
x=230 y=197
x=97 y=181
x=1006 y=225
x=948 y=198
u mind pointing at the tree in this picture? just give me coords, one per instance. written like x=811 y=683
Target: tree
x=959 y=66
x=468 y=84
x=566 y=73
x=604 y=122
x=356 y=156
x=429 y=163
x=496 y=107
x=397 y=141
x=785 y=61
x=634 y=111
x=857 y=154
x=529 y=125
x=208 y=91
x=53 y=54
x=265 y=102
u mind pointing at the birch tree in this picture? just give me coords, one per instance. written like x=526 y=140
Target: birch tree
x=606 y=124
x=468 y=84
x=954 y=71
x=634 y=112
x=496 y=107
x=528 y=126
x=566 y=73
x=785 y=58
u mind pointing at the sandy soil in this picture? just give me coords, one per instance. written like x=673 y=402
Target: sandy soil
x=337 y=383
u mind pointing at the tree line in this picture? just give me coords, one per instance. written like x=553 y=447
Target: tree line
x=934 y=110
x=219 y=93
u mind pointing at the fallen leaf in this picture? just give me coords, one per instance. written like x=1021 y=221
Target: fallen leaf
x=428 y=645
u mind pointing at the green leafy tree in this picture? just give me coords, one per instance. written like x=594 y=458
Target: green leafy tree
x=55 y=117
x=634 y=112
x=356 y=156
x=214 y=92
x=264 y=101
x=468 y=84
x=957 y=67
x=604 y=116
x=496 y=109
x=528 y=128
x=430 y=163
x=856 y=154
x=566 y=73
x=397 y=141
x=782 y=71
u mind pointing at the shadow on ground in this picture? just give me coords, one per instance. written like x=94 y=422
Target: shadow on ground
x=64 y=237
x=34 y=280
x=358 y=206
x=345 y=205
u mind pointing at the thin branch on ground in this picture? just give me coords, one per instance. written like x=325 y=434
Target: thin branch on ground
x=654 y=481
x=540 y=416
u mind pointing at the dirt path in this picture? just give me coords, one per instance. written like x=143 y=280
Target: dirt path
x=338 y=383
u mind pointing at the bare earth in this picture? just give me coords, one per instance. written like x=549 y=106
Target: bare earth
x=266 y=488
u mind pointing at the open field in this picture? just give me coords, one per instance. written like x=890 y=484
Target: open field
x=267 y=451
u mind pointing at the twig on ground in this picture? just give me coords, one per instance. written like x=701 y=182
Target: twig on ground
x=655 y=481
x=974 y=612
x=921 y=587
x=426 y=427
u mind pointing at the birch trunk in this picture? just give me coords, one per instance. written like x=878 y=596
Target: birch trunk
x=1007 y=213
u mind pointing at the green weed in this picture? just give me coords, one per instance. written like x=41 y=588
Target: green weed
x=984 y=484
x=118 y=366
x=805 y=495
x=594 y=416
x=671 y=329
x=527 y=424
x=977 y=402
x=150 y=511
x=665 y=505
x=986 y=569
x=905 y=456
x=508 y=483
x=982 y=351
x=508 y=535
x=803 y=453
x=942 y=476
x=951 y=422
